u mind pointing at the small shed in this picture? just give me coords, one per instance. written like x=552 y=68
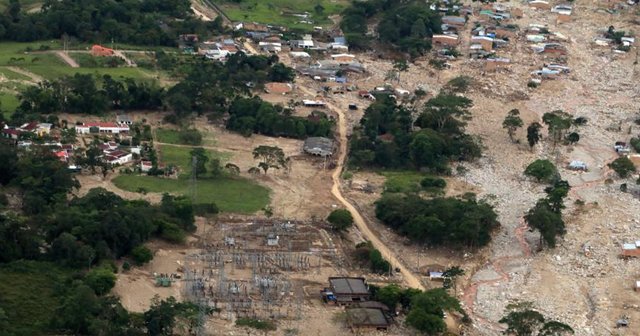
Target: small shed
x=578 y=165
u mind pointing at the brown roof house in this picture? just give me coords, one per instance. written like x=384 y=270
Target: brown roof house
x=278 y=88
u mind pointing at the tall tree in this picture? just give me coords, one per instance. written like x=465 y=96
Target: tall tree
x=199 y=158
x=533 y=134
x=270 y=157
x=512 y=122
x=558 y=122
x=400 y=66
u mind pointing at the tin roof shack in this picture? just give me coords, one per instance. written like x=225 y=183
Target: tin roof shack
x=318 y=146
x=505 y=32
x=348 y=290
x=577 y=165
x=485 y=42
x=540 y=4
x=448 y=40
x=188 y=42
x=364 y=319
x=631 y=250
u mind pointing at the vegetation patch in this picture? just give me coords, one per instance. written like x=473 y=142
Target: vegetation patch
x=30 y=292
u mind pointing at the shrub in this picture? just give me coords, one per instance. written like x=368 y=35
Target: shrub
x=542 y=170
x=256 y=324
x=459 y=84
x=141 y=255
x=622 y=166
x=635 y=143
x=126 y=266
x=532 y=84
x=340 y=219
x=433 y=182
x=190 y=137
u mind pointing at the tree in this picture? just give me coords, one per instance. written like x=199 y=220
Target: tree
x=572 y=138
x=101 y=280
x=199 y=159
x=523 y=320
x=215 y=167
x=389 y=295
x=546 y=221
x=281 y=73
x=445 y=113
x=542 y=170
x=558 y=123
x=623 y=166
x=512 y=122
x=451 y=275
x=161 y=317
x=232 y=169
x=533 y=134
x=141 y=254
x=340 y=219
x=400 y=66
x=318 y=8
x=270 y=157
x=427 y=310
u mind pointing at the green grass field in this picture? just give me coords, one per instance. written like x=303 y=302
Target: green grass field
x=236 y=194
x=12 y=75
x=30 y=292
x=8 y=104
x=402 y=181
x=279 y=12
x=231 y=194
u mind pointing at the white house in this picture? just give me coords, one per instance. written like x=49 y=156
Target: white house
x=118 y=157
x=102 y=127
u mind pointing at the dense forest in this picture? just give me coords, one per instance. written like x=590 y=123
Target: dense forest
x=146 y=22
x=406 y=26
x=76 y=241
x=253 y=115
x=450 y=222
x=386 y=137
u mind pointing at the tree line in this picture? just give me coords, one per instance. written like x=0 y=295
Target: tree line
x=386 y=137
x=451 y=222
x=146 y=22
x=43 y=231
x=253 y=115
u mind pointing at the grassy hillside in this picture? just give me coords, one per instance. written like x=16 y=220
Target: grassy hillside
x=279 y=12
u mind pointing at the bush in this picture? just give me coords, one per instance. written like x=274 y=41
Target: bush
x=622 y=166
x=433 y=182
x=459 y=84
x=635 y=143
x=580 y=121
x=340 y=219
x=141 y=255
x=101 y=280
x=532 y=84
x=126 y=266
x=542 y=170
x=190 y=137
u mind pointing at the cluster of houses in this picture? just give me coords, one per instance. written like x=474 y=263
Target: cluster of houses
x=33 y=128
x=362 y=313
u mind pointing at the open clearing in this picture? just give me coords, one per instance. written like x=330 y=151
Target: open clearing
x=279 y=12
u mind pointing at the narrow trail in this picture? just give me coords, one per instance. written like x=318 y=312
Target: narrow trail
x=35 y=78
x=411 y=279
x=67 y=59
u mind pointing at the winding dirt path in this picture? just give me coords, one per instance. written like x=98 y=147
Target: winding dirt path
x=411 y=279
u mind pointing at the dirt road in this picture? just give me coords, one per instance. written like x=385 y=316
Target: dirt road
x=35 y=78
x=411 y=279
x=67 y=59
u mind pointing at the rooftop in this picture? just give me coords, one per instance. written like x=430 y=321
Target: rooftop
x=348 y=285
x=367 y=317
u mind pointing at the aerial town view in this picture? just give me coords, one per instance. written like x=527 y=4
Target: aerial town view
x=319 y=167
